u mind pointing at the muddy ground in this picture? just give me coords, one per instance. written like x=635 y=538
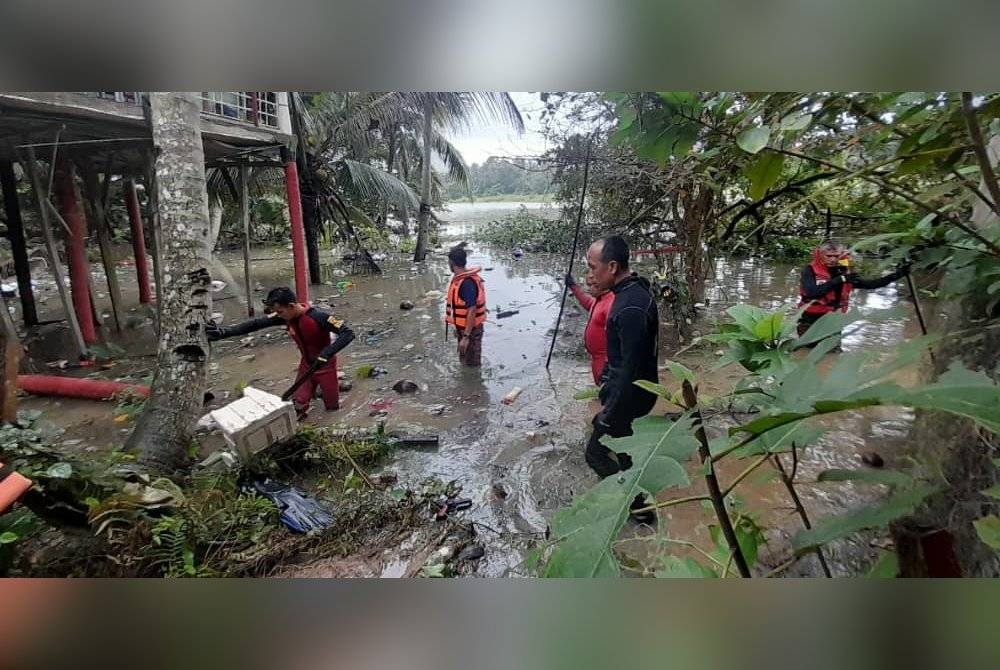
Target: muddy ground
x=519 y=462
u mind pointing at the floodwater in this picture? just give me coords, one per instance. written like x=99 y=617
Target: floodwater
x=519 y=462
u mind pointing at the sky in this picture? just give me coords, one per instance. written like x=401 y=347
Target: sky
x=482 y=141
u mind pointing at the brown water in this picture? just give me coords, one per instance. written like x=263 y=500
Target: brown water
x=520 y=462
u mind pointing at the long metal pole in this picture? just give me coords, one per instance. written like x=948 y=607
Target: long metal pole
x=572 y=256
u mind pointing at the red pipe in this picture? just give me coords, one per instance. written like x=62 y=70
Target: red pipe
x=73 y=387
x=138 y=244
x=298 y=229
x=71 y=210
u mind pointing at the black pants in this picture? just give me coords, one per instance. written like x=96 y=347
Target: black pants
x=601 y=459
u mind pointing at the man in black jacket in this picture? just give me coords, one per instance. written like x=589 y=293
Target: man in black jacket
x=633 y=340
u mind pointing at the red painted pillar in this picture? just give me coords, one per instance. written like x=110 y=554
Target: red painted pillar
x=71 y=209
x=138 y=244
x=298 y=229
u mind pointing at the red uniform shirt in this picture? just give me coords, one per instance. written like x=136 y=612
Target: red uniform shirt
x=595 y=337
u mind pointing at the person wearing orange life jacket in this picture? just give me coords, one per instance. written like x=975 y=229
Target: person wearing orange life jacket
x=311 y=328
x=827 y=282
x=465 y=307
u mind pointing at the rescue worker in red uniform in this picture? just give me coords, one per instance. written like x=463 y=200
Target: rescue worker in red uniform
x=311 y=328
x=465 y=308
x=827 y=282
x=598 y=303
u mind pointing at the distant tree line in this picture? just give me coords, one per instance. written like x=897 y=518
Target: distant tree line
x=502 y=176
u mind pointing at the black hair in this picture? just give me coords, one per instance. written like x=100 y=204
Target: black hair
x=458 y=257
x=281 y=295
x=615 y=248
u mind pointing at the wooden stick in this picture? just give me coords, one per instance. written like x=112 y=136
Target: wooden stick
x=718 y=501
x=42 y=197
x=91 y=181
x=789 y=482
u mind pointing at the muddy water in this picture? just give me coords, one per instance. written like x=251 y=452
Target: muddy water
x=520 y=462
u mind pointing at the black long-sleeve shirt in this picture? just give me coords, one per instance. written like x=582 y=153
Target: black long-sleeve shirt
x=811 y=290
x=633 y=346
x=323 y=320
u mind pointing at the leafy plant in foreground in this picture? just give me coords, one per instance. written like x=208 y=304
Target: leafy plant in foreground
x=790 y=391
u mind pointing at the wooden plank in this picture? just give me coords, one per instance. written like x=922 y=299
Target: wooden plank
x=42 y=198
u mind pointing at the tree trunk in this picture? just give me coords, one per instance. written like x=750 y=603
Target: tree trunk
x=10 y=361
x=423 y=221
x=940 y=540
x=162 y=435
x=697 y=210
x=311 y=222
x=310 y=208
x=244 y=188
x=18 y=246
x=92 y=185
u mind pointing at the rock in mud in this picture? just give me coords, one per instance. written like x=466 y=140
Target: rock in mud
x=405 y=386
x=345 y=385
x=406 y=304
x=499 y=491
x=437 y=410
x=873 y=459
x=471 y=553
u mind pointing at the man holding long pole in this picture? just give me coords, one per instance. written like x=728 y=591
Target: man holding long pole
x=633 y=348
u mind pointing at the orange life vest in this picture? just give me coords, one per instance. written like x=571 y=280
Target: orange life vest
x=832 y=301
x=456 y=311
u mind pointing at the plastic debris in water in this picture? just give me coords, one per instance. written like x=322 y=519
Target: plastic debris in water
x=512 y=396
x=299 y=512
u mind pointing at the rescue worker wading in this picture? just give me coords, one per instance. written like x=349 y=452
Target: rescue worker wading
x=465 y=308
x=633 y=346
x=827 y=282
x=311 y=328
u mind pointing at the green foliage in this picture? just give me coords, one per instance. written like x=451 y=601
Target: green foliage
x=889 y=477
x=833 y=528
x=887 y=566
x=15 y=526
x=529 y=230
x=764 y=172
x=752 y=140
x=684 y=568
x=788 y=391
x=760 y=340
x=988 y=529
x=586 y=530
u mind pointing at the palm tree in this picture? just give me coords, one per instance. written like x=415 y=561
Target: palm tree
x=436 y=111
x=162 y=435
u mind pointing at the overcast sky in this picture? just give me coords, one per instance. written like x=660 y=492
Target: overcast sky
x=483 y=141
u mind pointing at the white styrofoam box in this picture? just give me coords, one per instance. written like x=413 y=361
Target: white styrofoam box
x=255 y=421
